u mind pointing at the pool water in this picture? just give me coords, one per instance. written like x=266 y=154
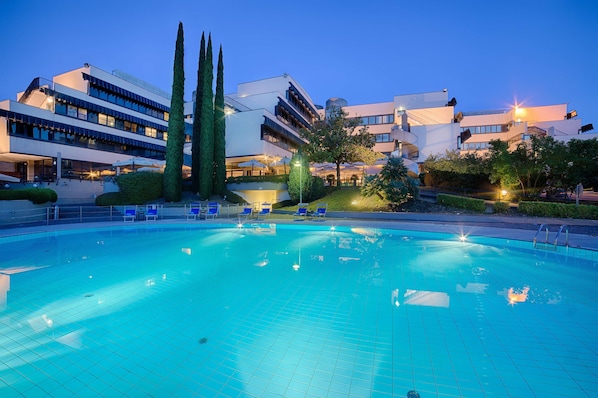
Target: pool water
x=270 y=310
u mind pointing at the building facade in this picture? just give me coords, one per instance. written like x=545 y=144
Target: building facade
x=81 y=123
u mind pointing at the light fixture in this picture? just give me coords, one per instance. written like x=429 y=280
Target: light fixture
x=571 y=114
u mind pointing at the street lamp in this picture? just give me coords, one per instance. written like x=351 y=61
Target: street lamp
x=300 y=181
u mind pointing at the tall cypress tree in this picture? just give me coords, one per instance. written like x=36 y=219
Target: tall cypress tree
x=195 y=141
x=219 y=130
x=173 y=178
x=206 y=166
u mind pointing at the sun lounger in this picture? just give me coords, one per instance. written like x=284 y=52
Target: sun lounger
x=247 y=212
x=321 y=210
x=130 y=214
x=194 y=211
x=151 y=212
x=301 y=213
x=265 y=212
x=212 y=210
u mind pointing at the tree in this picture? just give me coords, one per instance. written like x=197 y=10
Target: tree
x=219 y=130
x=206 y=166
x=196 y=138
x=173 y=178
x=393 y=184
x=300 y=178
x=334 y=140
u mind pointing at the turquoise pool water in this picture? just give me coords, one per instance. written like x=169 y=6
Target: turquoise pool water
x=289 y=311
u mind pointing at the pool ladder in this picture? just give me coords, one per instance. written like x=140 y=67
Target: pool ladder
x=556 y=238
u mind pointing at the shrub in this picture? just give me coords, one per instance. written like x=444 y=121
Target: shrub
x=35 y=195
x=500 y=207
x=279 y=179
x=318 y=189
x=461 y=202
x=560 y=210
x=232 y=197
x=111 y=199
x=140 y=187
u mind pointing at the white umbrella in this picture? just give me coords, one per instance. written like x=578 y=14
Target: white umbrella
x=253 y=164
x=6 y=178
x=282 y=162
x=136 y=161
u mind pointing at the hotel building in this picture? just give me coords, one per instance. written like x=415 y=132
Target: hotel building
x=79 y=124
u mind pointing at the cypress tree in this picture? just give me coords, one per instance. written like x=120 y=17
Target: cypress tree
x=219 y=130
x=173 y=178
x=195 y=140
x=206 y=166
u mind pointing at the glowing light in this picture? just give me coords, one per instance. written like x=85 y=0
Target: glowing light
x=333 y=228
x=354 y=202
x=186 y=250
x=462 y=238
x=296 y=267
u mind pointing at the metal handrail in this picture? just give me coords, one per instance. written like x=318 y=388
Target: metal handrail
x=556 y=239
x=540 y=229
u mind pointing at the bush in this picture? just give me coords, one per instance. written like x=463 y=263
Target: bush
x=461 y=202
x=500 y=207
x=279 y=179
x=35 y=195
x=140 y=187
x=318 y=189
x=560 y=210
x=111 y=199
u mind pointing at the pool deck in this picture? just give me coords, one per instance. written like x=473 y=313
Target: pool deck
x=582 y=234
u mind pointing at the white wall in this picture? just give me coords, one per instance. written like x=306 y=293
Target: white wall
x=422 y=100
x=435 y=139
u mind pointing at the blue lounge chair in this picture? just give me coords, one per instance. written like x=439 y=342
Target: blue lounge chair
x=265 y=212
x=247 y=212
x=301 y=213
x=321 y=210
x=194 y=211
x=151 y=213
x=130 y=214
x=212 y=210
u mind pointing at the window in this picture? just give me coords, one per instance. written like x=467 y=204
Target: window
x=383 y=137
x=111 y=121
x=60 y=108
x=71 y=111
x=92 y=117
x=102 y=119
x=82 y=113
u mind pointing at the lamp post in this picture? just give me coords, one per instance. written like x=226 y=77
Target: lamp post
x=300 y=181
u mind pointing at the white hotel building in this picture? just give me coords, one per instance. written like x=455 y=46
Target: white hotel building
x=76 y=126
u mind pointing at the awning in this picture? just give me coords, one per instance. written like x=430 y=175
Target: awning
x=6 y=178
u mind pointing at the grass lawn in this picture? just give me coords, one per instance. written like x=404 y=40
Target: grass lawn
x=346 y=199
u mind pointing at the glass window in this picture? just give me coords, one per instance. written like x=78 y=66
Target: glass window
x=166 y=116
x=60 y=108
x=103 y=95
x=82 y=113
x=119 y=124
x=111 y=121
x=141 y=130
x=92 y=117
x=94 y=92
x=102 y=119
x=71 y=111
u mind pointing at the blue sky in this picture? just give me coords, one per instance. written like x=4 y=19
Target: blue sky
x=488 y=55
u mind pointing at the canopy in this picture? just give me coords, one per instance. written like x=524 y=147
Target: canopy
x=253 y=163
x=137 y=161
x=281 y=162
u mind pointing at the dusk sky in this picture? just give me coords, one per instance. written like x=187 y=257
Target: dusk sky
x=488 y=54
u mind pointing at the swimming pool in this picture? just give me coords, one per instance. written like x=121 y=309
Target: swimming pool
x=271 y=310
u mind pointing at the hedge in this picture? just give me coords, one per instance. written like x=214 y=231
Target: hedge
x=560 y=210
x=135 y=189
x=35 y=195
x=461 y=202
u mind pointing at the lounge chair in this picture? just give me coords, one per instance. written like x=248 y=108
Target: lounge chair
x=247 y=212
x=321 y=210
x=151 y=212
x=130 y=214
x=212 y=210
x=194 y=211
x=265 y=212
x=301 y=213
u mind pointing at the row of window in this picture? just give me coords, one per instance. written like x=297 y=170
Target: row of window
x=292 y=98
x=117 y=99
x=61 y=137
x=385 y=137
x=62 y=108
x=471 y=146
x=496 y=128
x=379 y=119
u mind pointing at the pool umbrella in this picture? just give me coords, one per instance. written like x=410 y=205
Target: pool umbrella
x=282 y=162
x=7 y=178
x=253 y=164
x=140 y=162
